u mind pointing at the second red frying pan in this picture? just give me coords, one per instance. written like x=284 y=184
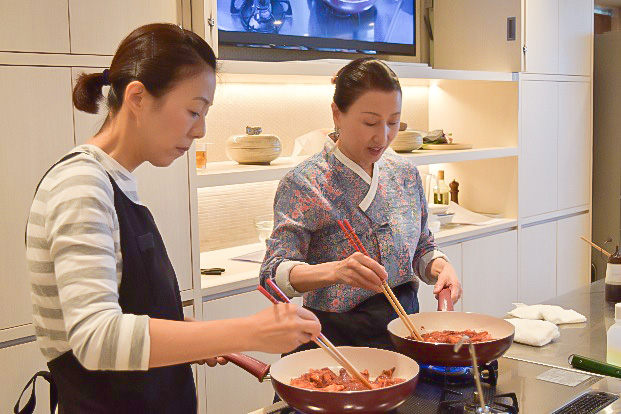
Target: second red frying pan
x=439 y=354
x=380 y=400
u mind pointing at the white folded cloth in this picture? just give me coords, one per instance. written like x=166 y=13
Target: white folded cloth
x=551 y=313
x=534 y=332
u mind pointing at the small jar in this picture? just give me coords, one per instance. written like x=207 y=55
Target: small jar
x=253 y=147
x=613 y=277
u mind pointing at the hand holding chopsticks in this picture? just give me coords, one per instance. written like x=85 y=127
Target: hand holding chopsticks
x=392 y=299
x=321 y=340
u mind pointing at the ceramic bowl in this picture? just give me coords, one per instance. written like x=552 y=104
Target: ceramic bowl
x=437 y=208
x=406 y=141
x=253 y=148
x=445 y=219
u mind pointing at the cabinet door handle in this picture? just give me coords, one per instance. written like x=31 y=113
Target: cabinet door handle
x=511 y=29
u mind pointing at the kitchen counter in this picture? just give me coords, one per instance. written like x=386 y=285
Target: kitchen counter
x=586 y=339
x=241 y=277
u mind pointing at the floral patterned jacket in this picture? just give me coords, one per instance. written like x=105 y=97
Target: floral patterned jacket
x=388 y=213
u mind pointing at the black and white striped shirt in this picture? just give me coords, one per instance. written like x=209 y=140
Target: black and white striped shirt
x=75 y=264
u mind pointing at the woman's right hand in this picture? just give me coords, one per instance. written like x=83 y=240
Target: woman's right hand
x=360 y=271
x=282 y=328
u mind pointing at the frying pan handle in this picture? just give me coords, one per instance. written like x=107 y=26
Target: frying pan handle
x=253 y=366
x=445 y=303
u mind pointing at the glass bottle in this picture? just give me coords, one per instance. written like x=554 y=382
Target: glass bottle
x=441 y=191
x=613 y=339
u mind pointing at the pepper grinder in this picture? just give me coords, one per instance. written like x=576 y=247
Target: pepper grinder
x=454 y=190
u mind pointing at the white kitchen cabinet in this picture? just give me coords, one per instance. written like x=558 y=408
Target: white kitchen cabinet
x=98 y=27
x=537 y=280
x=489 y=272
x=165 y=191
x=550 y=37
x=573 y=256
x=541 y=35
x=222 y=379
x=472 y=35
x=538 y=171
x=19 y=363
x=37 y=129
x=574 y=144
x=426 y=299
x=34 y=26
x=575 y=37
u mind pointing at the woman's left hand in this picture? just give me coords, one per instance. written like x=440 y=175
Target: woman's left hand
x=447 y=278
x=212 y=362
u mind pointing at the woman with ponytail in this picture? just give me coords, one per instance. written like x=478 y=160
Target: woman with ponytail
x=106 y=303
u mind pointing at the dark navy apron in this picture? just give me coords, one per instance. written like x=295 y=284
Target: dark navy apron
x=365 y=324
x=148 y=287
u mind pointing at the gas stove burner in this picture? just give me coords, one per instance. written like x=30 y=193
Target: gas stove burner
x=496 y=405
x=459 y=375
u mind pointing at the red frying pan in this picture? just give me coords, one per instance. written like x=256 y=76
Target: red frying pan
x=380 y=400
x=430 y=353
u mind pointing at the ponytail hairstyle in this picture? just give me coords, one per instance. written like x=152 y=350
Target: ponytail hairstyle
x=158 y=55
x=360 y=76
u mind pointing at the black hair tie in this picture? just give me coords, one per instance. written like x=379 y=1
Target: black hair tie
x=106 y=77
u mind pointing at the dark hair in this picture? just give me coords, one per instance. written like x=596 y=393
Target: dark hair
x=360 y=76
x=158 y=55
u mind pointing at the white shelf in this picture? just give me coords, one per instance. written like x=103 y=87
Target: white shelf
x=229 y=172
x=244 y=275
x=426 y=157
x=320 y=71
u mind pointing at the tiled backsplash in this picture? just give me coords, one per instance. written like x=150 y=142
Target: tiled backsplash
x=226 y=214
x=288 y=111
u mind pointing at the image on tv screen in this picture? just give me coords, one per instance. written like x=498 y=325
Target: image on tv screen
x=348 y=25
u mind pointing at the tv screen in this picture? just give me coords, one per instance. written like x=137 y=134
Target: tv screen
x=368 y=26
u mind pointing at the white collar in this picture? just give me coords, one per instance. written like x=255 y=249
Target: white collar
x=352 y=165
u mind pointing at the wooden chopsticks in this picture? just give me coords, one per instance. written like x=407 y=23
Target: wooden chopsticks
x=596 y=246
x=392 y=299
x=321 y=340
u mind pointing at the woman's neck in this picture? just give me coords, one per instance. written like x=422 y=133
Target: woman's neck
x=116 y=140
x=368 y=168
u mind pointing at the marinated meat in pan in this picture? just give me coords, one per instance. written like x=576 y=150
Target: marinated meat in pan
x=452 y=337
x=325 y=379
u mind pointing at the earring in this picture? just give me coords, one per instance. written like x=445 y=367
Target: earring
x=337 y=132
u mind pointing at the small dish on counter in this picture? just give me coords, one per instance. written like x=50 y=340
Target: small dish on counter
x=437 y=208
x=445 y=218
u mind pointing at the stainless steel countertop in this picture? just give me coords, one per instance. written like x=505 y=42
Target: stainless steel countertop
x=586 y=339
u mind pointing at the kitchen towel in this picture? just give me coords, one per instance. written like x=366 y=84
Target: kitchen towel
x=534 y=332
x=551 y=313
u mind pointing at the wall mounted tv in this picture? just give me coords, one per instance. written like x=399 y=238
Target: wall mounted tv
x=367 y=26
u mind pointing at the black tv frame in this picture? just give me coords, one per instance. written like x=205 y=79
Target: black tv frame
x=337 y=45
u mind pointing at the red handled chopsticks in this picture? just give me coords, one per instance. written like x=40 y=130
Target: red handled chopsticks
x=321 y=340
x=357 y=244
